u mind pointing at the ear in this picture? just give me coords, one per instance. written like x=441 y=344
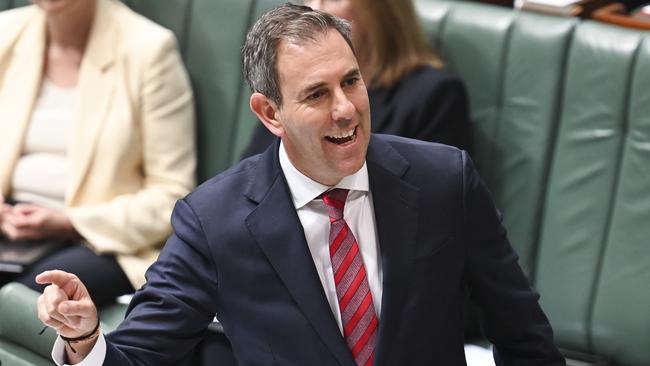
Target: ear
x=267 y=111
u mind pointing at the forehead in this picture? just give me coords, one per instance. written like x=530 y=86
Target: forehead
x=303 y=62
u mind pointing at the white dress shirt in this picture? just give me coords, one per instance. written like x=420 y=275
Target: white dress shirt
x=41 y=171
x=312 y=212
x=359 y=213
x=94 y=358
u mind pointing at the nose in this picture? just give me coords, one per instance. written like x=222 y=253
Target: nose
x=342 y=107
x=314 y=4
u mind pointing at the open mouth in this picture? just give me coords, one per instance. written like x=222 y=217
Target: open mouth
x=343 y=137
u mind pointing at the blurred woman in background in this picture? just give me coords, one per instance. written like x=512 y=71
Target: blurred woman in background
x=409 y=93
x=97 y=139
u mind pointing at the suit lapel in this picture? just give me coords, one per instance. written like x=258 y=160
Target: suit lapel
x=95 y=92
x=18 y=94
x=396 y=215
x=275 y=226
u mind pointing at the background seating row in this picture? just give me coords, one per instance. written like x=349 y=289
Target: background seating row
x=561 y=124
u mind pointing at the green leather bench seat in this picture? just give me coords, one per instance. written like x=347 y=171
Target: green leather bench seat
x=174 y=15
x=525 y=131
x=560 y=113
x=15 y=3
x=583 y=178
x=620 y=318
x=514 y=110
x=20 y=342
x=210 y=35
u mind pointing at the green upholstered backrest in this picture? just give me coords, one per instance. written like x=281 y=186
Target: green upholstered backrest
x=527 y=120
x=247 y=121
x=174 y=15
x=514 y=110
x=432 y=15
x=17 y=3
x=486 y=50
x=12 y=354
x=216 y=33
x=620 y=316
x=561 y=121
x=20 y=324
x=210 y=35
x=583 y=178
x=20 y=327
x=8 y=4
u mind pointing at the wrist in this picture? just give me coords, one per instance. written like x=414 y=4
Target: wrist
x=83 y=341
x=81 y=350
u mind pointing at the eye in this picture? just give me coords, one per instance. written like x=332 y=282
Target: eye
x=316 y=95
x=351 y=81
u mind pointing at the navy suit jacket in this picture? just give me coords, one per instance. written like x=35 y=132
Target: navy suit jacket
x=239 y=250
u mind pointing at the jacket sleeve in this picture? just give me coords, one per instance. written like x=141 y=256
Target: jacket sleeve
x=129 y=223
x=171 y=313
x=512 y=318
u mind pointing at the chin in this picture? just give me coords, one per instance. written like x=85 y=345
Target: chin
x=351 y=167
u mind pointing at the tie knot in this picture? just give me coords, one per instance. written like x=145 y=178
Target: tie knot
x=335 y=201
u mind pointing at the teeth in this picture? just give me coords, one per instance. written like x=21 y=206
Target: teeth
x=343 y=135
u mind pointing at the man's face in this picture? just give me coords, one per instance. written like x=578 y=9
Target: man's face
x=325 y=114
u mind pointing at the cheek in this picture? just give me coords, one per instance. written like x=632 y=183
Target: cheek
x=361 y=102
x=303 y=138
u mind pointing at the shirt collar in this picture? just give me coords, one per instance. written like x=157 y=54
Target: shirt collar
x=304 y=189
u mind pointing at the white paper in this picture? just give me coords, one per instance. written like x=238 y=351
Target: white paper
x=478 y=356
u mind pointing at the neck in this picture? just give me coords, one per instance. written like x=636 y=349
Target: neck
x=70 y=28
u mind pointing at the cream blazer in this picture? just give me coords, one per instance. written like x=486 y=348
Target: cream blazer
x=131 y=153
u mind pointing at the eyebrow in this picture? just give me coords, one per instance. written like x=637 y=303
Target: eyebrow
x=319 y=84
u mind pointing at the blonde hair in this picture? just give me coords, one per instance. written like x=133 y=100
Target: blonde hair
x=394 y=44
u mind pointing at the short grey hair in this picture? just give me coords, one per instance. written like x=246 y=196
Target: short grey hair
x=294 y=23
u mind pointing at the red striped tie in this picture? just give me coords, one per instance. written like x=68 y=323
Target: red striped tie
x=352 y=290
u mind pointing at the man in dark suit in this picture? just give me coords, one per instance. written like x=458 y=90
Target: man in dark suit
x=334 y=247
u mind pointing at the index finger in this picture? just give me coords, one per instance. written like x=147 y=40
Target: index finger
x=57 y=277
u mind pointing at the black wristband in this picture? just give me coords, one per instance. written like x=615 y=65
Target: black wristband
x=83 y=337
x=90 y=335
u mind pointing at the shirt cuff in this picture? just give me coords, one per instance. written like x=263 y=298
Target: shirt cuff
x=94 y=358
